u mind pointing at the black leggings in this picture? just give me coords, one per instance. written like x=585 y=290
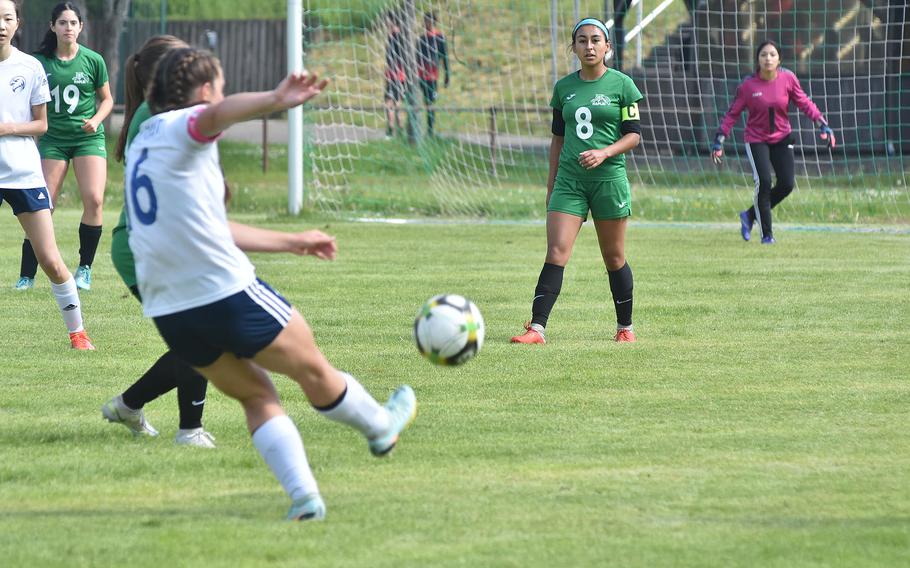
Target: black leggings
x=763 y=158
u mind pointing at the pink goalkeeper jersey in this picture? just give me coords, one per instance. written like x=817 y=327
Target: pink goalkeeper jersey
x=766 y=103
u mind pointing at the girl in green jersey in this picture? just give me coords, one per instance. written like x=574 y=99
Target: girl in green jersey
x=80 y=100
x=595 y=122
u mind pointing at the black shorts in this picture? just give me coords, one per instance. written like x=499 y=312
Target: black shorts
x=394 y=90
x=243 y=324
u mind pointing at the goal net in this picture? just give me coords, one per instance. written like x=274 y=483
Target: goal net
x=487 y=154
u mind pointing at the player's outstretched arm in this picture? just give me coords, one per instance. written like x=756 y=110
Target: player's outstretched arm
x=312 y=243
x=294 y=90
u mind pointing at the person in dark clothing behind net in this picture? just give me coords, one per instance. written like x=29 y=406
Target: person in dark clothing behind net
x=431 y=52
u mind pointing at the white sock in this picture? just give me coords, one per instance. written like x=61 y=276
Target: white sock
x=280 y=445
x=68 y=301
x=359 y=410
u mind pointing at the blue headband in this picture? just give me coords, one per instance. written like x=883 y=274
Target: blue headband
x=592 y=22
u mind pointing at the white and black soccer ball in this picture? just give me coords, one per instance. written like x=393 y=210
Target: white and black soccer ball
x=448 y=329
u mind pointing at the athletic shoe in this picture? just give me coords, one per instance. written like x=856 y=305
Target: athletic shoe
x=769 y=240
x=307 y=508
x=745 y=225
x=532 y=335
x=624 y=335
x=116 y=411
x=80 y=341
x=196 y=437
x=25 y=283
x=83 y=277
x=402 y=408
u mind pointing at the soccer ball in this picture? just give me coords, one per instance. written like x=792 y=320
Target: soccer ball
x=448 y=329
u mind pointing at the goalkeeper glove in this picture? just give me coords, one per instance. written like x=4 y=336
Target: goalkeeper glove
x=826 y=134
x=717 y=148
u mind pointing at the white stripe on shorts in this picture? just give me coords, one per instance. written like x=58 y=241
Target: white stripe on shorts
x=266 y=300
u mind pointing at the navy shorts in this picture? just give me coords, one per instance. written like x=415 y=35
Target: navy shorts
x=26 y=200
x=243 y=324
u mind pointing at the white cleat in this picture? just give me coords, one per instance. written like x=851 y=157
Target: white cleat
x=196 y=437
x=117 y=412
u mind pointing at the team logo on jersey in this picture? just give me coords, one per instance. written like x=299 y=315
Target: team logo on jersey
x=80 y=78
x=600 y=100
x=17 y=83
x=570 y=97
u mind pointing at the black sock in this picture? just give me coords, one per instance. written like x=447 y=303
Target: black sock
x=621 y=288
x=159 y=379
x=89 y=235
x=548 y=286
x=28 y=267
x=431 y=120
x=191 y=387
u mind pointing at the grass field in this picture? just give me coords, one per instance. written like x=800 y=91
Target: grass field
x=761 y=419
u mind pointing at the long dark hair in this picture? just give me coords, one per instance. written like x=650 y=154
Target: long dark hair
x=49 y=44
x=763 y=45
x=178 y=74
x=138 y=72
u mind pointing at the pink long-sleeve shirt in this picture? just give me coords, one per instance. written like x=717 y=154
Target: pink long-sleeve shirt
x=766 y=103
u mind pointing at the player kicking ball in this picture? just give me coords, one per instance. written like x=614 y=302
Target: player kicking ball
x=202 y=291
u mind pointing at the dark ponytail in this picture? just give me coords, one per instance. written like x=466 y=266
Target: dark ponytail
x=138 y=73
x=48 y=45
x=178 y=75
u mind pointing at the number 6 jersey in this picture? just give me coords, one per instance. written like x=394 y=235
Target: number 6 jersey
x=72 y=84
x=179 y=234
x=593 y=112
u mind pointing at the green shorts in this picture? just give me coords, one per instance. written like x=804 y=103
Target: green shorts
x=52 y=149
x=606 y=199
x=121 y=254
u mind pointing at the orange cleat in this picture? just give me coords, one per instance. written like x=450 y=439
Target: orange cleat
x=529 y=336
x=80 y=341
x=624 y=336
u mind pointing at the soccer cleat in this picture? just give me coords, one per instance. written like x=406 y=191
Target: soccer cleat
x=745 y=222
x=307 y=508
x=116 y=411
x=769 y=240
x=532 y=335
x=79 y=340
x=196 y=437
x=624 y=335
x=83 y=277
x=402 y=408
x=25 y=283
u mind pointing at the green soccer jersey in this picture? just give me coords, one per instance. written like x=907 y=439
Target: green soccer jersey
x=121 y=254
x=593 y=112
x=73 y=84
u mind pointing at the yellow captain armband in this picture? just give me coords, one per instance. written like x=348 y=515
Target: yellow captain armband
x=630 y=112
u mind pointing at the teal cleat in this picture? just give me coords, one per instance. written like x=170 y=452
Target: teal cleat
x=402 y=407
x=25 y=283
x=83 y=277
x=307 y=508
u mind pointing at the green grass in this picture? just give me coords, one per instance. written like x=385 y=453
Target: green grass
x=759 y=421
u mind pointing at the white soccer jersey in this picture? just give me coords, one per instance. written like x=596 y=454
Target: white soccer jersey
x=23 y=84
x=185 y=255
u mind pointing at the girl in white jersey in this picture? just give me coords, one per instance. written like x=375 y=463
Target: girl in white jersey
x=23 y=115
x=201 y=290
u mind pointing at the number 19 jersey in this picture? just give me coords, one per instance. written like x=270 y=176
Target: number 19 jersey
x=593 y=112
x=72 y=84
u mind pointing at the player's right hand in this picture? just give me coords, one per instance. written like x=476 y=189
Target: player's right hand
x=313 y=243
x=298 y=88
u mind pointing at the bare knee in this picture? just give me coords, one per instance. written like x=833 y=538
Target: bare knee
x=614 y=261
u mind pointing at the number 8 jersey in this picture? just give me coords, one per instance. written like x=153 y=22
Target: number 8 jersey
x=179 y=234
x=593 y=112
x=72 y=84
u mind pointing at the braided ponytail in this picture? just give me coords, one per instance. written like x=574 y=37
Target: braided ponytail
x=178 y=75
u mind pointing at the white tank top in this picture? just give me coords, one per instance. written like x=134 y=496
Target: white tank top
x=179 y=235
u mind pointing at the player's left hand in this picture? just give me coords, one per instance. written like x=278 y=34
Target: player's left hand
x=313 y=243
x=298 y=88
x=590 y=159
x=826 y=134
x=89 y=125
